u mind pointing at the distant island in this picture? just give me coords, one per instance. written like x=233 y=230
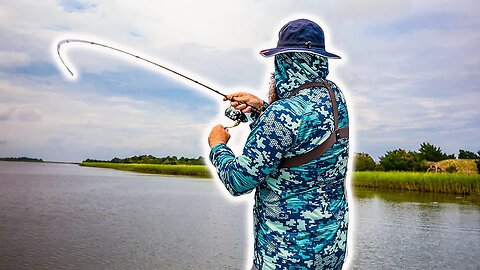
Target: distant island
x=149 y=159
x=21 y=159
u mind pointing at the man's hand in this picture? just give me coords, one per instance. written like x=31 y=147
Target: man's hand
x=240 y=100
x=218 y=135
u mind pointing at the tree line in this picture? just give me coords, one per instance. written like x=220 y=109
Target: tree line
x=25 y=159
x=149 y=159
x=403 y=160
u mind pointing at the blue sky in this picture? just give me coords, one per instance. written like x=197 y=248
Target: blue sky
x=410 y=70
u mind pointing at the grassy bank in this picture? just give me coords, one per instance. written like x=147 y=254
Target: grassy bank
x=413 y=181
x=410 y=181
x=188 y=170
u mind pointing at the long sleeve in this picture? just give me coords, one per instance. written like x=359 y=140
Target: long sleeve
x=271 y=137
x=256 y=115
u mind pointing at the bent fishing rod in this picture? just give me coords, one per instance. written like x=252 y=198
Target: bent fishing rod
x=235 y=115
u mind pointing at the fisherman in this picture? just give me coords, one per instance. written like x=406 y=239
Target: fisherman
x=295 y=157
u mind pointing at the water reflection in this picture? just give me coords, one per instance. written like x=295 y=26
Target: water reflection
x=414 y=230
x=429 y=198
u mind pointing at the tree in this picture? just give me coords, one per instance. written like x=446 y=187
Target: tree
x=463 y=154
x=430 y=152
x=170 y=160
x=401 y=160
x=364 y=162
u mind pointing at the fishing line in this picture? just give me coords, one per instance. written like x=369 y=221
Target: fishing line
x=230 y=113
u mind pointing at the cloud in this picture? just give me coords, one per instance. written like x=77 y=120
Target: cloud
x=13 y=59
x=372 y=10
x=24 y=114
x=411 y=80
x=28 y=115
x=410 y=69
x=38 y=68
x=75 y=5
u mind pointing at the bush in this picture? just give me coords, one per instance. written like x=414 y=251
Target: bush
x=451 y=169
x=364 y=162
x=401 y=160
x=464 y=154
x=478 y=165
x=379 y=168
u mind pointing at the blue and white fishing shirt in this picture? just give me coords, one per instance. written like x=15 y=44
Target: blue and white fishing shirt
x=300 y=213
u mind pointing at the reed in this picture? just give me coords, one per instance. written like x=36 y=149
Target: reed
x=187 y=170
x=416 y=181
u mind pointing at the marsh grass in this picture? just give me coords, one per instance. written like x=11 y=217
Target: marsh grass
x=411 y=181
x=415 y=181
x=187 y=170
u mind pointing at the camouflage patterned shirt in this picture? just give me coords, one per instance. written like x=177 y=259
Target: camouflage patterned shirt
x=300 y=213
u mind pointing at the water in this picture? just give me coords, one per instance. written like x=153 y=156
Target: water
x=57 y=216
x=412 y=230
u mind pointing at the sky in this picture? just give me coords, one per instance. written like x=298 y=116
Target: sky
x=410 y=71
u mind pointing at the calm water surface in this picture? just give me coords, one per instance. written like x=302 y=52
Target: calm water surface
x=57 y=216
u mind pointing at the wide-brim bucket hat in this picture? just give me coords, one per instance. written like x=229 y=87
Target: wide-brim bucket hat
x=300 y=35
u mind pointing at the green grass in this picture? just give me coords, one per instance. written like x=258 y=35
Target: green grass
x=415 y=181
x=411 y=181
x=188 y=170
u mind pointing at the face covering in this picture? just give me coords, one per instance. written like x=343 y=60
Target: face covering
x=293 y=69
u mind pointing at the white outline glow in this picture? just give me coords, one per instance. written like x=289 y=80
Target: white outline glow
x=352 y=140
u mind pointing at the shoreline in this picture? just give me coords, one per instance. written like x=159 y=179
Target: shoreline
x=199 y=171
x=453 y=183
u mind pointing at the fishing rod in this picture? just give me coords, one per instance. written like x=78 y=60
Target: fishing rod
x=235 y=115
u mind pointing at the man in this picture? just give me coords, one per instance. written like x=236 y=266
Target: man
x=295 y=157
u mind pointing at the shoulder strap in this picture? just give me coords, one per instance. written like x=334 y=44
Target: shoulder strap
x=322 y=148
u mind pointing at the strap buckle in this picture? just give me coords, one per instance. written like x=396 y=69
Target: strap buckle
x=337 y=134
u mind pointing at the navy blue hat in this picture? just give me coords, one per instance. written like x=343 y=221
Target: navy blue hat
x=301 y=35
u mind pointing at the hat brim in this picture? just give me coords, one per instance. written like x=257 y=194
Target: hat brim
x=321 y=52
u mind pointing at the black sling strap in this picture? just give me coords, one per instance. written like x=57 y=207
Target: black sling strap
x=322 y=148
